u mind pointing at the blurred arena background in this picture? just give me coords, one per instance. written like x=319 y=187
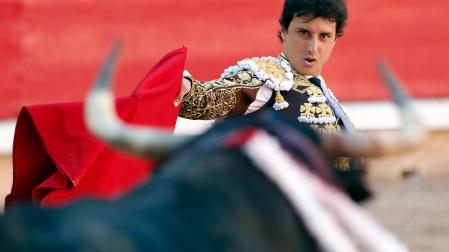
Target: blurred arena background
x=50 y=52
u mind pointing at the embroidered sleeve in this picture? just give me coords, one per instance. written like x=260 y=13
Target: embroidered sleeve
x=218 y=99
x=237 y=88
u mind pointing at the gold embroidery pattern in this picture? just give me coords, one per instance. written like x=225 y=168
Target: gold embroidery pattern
x=316 y=111
x=216 y=99
x=344 y=163
x=300 y=81
x=306 y=110
x=309 y=110
x=303 y=85
x=328 y=128
x=324 y=110
x=270 y=67
x=314 y=91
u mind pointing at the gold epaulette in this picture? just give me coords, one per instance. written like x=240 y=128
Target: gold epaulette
x=271 y=66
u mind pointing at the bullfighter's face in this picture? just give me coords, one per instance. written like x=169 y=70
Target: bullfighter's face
x=308 y=43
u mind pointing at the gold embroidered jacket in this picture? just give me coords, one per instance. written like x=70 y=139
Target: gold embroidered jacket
x=233 y=93
x=238 y=87
x=218 y=99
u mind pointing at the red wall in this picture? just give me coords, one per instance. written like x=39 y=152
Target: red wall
x=50 y=50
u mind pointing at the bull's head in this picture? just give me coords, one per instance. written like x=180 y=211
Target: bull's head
x=102 y=120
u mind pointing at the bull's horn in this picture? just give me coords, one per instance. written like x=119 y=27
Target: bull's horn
x=102 y=120
x=411 y=135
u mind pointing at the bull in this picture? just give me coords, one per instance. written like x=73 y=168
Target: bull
x=257 y=183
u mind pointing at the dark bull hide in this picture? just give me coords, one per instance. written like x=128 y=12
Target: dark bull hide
x=218 y=192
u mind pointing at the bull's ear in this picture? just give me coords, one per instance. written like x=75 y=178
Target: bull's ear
x=102 y=120
x=411 y=135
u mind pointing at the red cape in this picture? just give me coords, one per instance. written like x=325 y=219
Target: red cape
x=56 y=160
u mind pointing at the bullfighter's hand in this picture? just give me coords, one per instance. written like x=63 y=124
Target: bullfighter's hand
x=185 y=88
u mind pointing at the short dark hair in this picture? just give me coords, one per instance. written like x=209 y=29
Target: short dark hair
x=334 y=10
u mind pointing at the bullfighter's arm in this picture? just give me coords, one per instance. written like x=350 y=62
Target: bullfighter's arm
x=220 y=98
